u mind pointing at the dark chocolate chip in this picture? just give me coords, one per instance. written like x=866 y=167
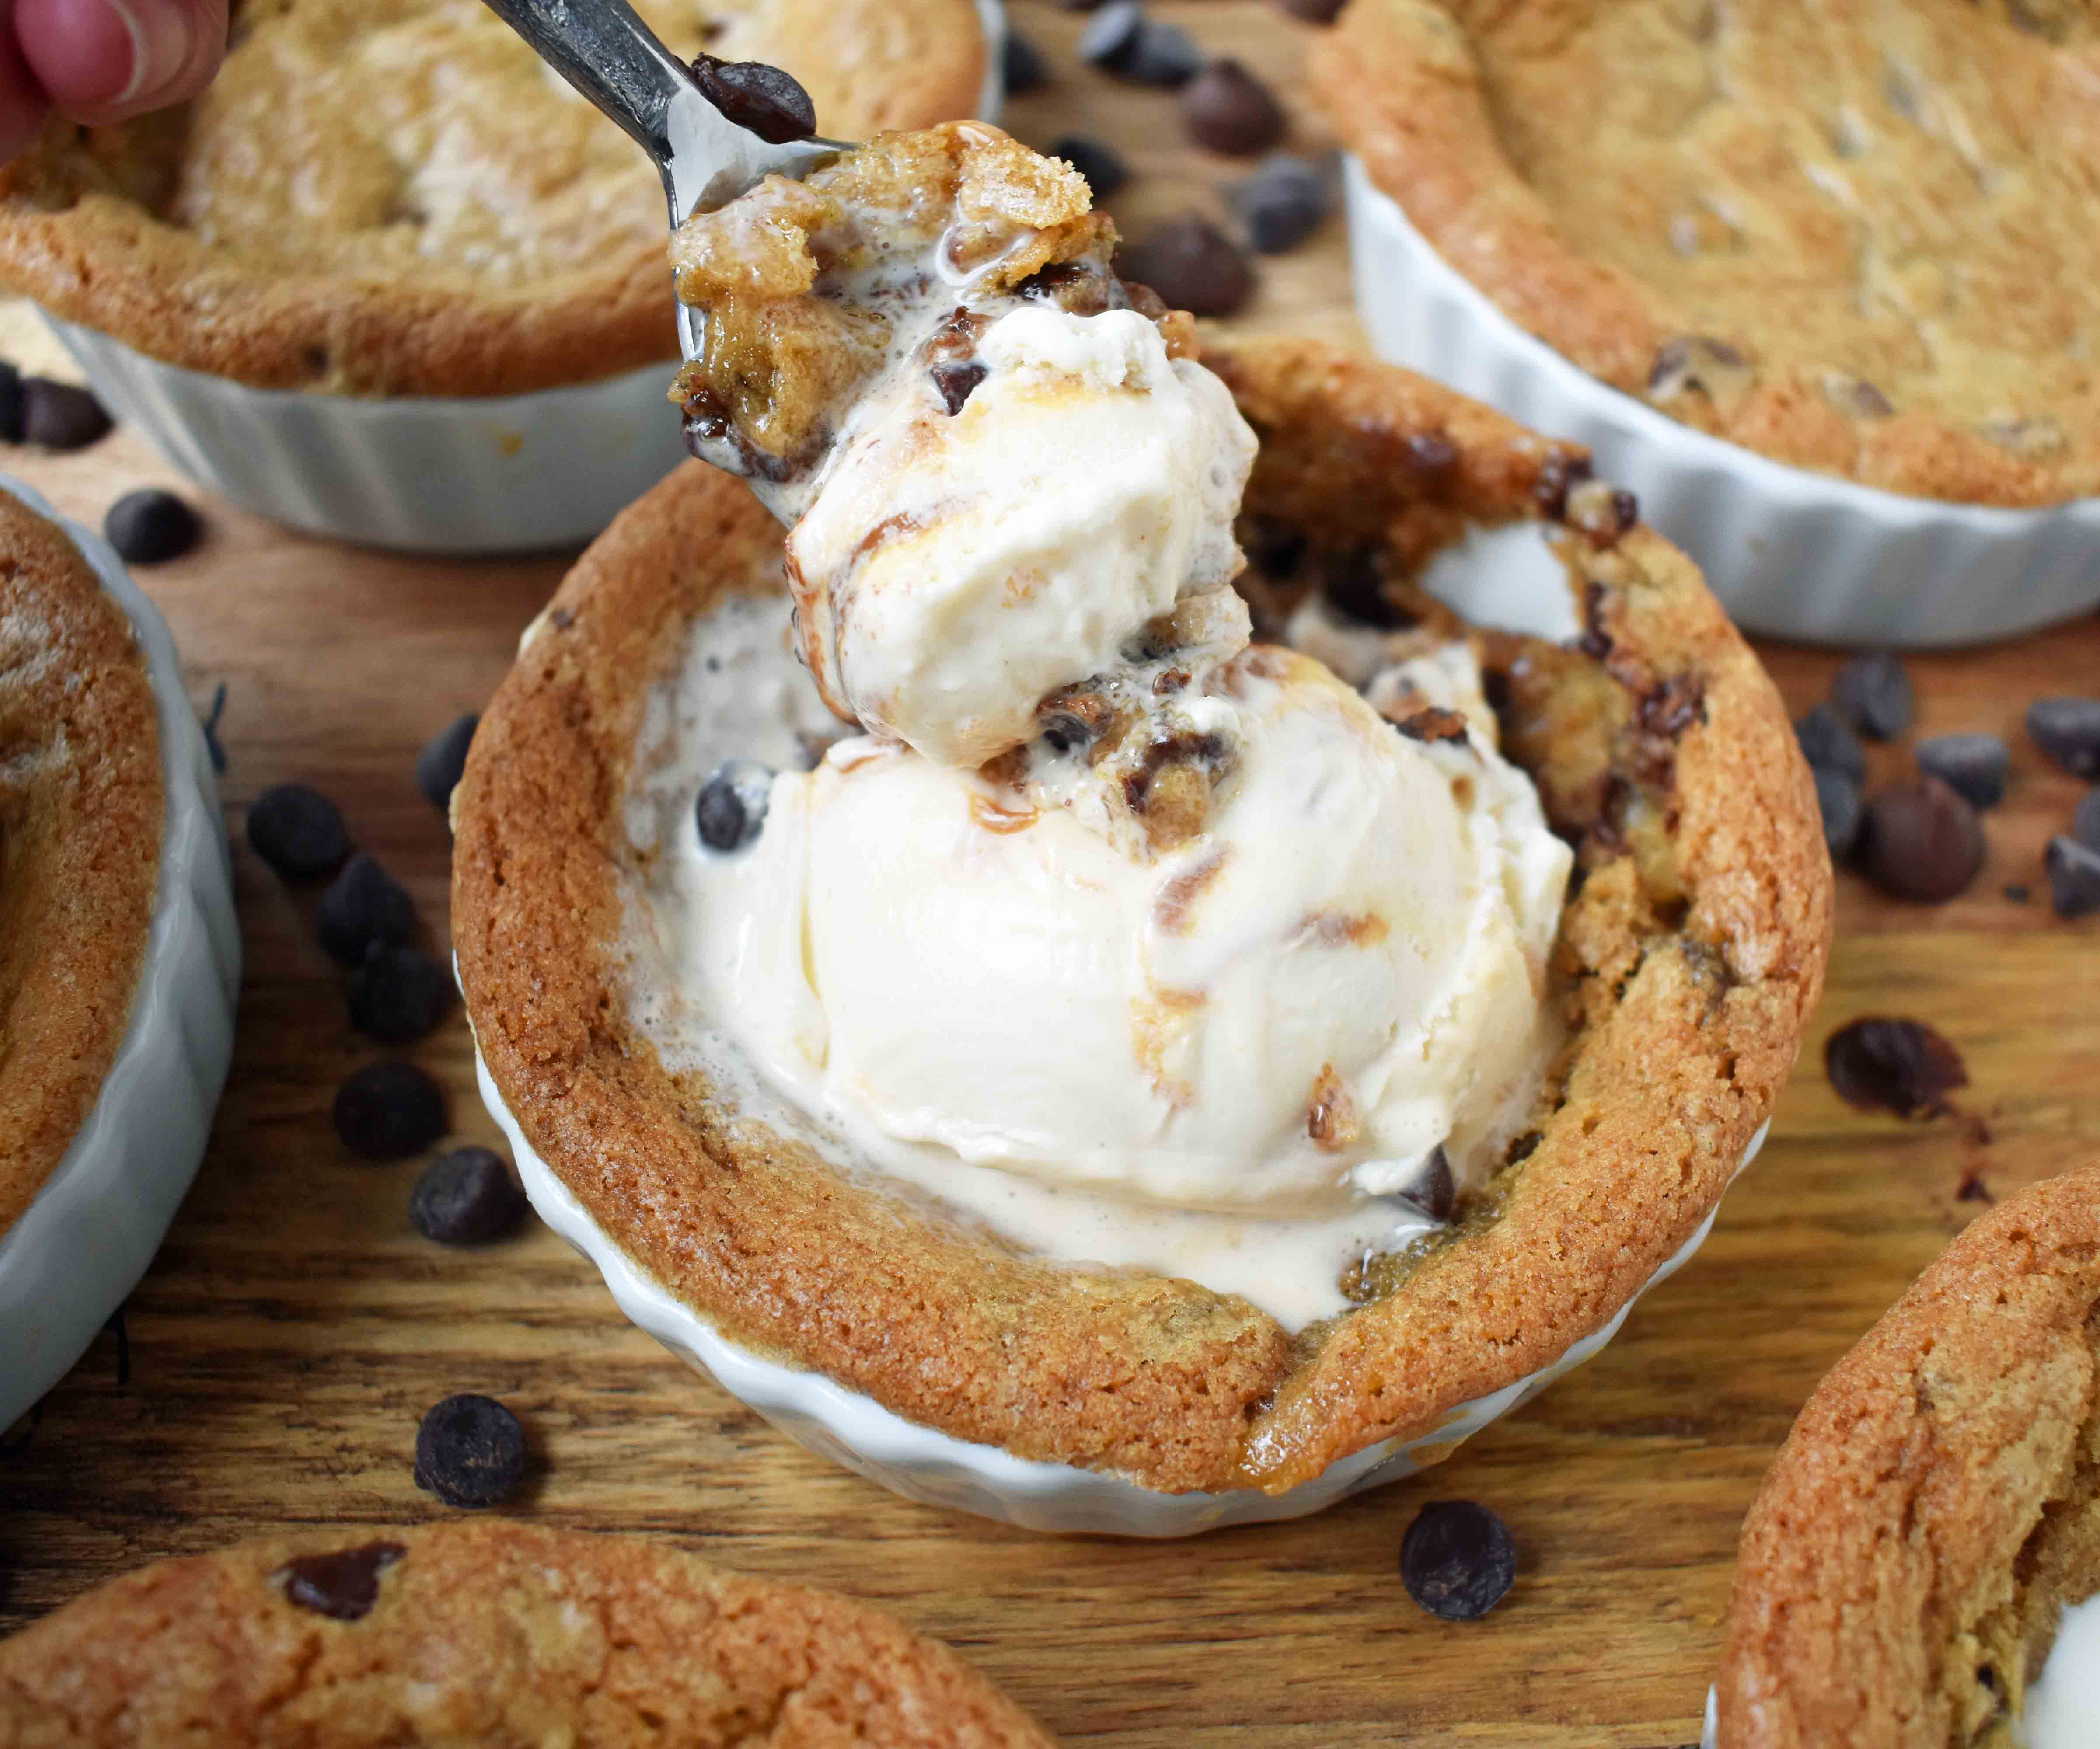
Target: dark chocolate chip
x=1970 y=1187
x=1857 y=397
x=2074 y=876
x=11 y=403
x=1101 y=165
x=2018 y=893
x=1872 y=693
x=730 y=809
x=1560 y=474
x=1226 y=108
x=1434 y=724
x=1692 y=361
x=471 y=1451
x=1354 y=585
x=1113 y=31
x=1975 y=765
x=342 y=1586
x=1920 y=840
x=2068 y=731
x=953 y=381
x=1437 y=1195
x=60 y=415
x=767 y=101
x=1892 y=1065
x=298 y=831
x=1122 y=41
x=389 y=1111
x=150 y=527
x=365 y=907
x=1192 y=265
x=2085 y=821
x=1273 y=547
x=1828 y=745
x=1282 y=203
x=399 y=994
x=211 y=743
x=1457 y=1560
x=444 y=758
x=466 y=1197
x=1842 y=808
x=1021 y=66
x=1313 y=11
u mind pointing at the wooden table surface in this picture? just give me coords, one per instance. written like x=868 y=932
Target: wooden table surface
x=294 y=1328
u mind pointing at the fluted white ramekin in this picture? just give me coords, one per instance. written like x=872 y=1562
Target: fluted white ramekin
x=1790 y=553
x=82 y=1243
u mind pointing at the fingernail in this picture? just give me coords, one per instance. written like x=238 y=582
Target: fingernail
x=160 y=31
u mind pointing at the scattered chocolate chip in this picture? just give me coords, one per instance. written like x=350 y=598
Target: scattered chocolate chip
x=471 y=1451
x=1437 y=1194
x=953 y=381
x=298 y=831
x=1972 y=1188
x=399 y=994
x=1457 y=1560
x=1226 y=108
x=1842 y=808
x=2068 y=731
x=730 y=809
x=1313 y=11
x=466 y=1197
x=1192 y=265
x=1122 y=41
x=60 y=415
x=1282 y=203
x=1828 y=745
x=767 y=101
x=150 y=527
x=1920 y=840
x=1975 y=766
x=1892 y=1065
x=211 y=744
x=2074 y=877
x=1433 y=726
x=365 y=907
x=443 y=758
x=11 y=403
x=2018 y=893
x=342 y=1586
x=389 y=1111
x=1873 y=693
x=2085 y=821
x=1021 y=65
x=1101 y=165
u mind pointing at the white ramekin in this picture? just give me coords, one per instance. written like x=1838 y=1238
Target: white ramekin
x=84 y=1242
x=1791 y=553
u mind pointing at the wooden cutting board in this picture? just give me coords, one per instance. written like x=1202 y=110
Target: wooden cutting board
x=295 y=1328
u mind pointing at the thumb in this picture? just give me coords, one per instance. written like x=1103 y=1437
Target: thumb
x=102 y=60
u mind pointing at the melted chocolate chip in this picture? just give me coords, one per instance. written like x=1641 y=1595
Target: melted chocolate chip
x=1892 y=1065
x=1692 y=361
x=1273 y=547
x=342 y=1586
x=771 y=103
x=1434 y=724
x=1549 y=490
x=1437 y=1195
x=1313 y=11
x=1354 y=585
x=1669 y=707
x=953 y=381
x=1457 y=1560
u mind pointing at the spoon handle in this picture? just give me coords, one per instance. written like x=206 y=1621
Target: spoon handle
x=610 y=55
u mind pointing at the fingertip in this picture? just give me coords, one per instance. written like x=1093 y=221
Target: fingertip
x=23 y=106
x=102 y=60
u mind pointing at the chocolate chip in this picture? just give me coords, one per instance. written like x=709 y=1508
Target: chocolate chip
x=1854 y=395
x=1122 y=41
x=298 y=831
x=11 y=403
x=150 y=527
x=1694 y=361
x=399 y=994
x=2074 y=876
x=1828 y=745
x=1873 y=693
x=2068 y=731
x=389 y=1111
x=365 y=907
x=953 y=381
x=1457 y=1560
x=1970 y=1187
x=1225 y=109
x=1021 y=66
x=1435 y=726
x=466 y=1197
x=2086 y=822
x=767 y=101
x=1313 y=11
x=471 y=1451
x=1975 y=766
x=1273 y=547
x=1837 y=798
x=1282 y=203
x=1192 y=265
x=730 y=808
x=1101 y=165
x=1559 y=475
x=2018 y=893
x=1892 y=1065
x=342 y=1586
x=1920 y=840
x=1354 y=583
x=60 y=415
x=1437 y=1195
x=444 y=758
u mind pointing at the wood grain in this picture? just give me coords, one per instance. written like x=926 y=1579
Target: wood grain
x=294 y=1328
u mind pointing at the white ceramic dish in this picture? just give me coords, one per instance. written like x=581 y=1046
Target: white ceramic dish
x=1790 y=553
x=510 y=473
x=82 y=1245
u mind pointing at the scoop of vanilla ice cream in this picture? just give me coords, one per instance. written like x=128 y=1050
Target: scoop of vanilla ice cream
x=1339 y=973
x=952 y=568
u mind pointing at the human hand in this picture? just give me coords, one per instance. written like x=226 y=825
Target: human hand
x=98 y=61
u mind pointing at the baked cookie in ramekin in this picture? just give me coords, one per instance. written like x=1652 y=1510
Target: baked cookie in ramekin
x=950 y=1361
x=390 y=279
x=119 y=954
x=1820 y=288
x=498 y=1634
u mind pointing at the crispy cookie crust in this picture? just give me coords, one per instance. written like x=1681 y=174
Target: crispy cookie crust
x=87 y=230
x=1937 y=1501
x=1688 y=990
x=1619 y=255
x=80 y=843
x=500 y=1634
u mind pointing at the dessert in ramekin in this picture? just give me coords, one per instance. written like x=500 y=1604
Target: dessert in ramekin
x=1921 y=1568
x=390 y=279
x=498 y=1634
x=1819 y=289
x=119 y=955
